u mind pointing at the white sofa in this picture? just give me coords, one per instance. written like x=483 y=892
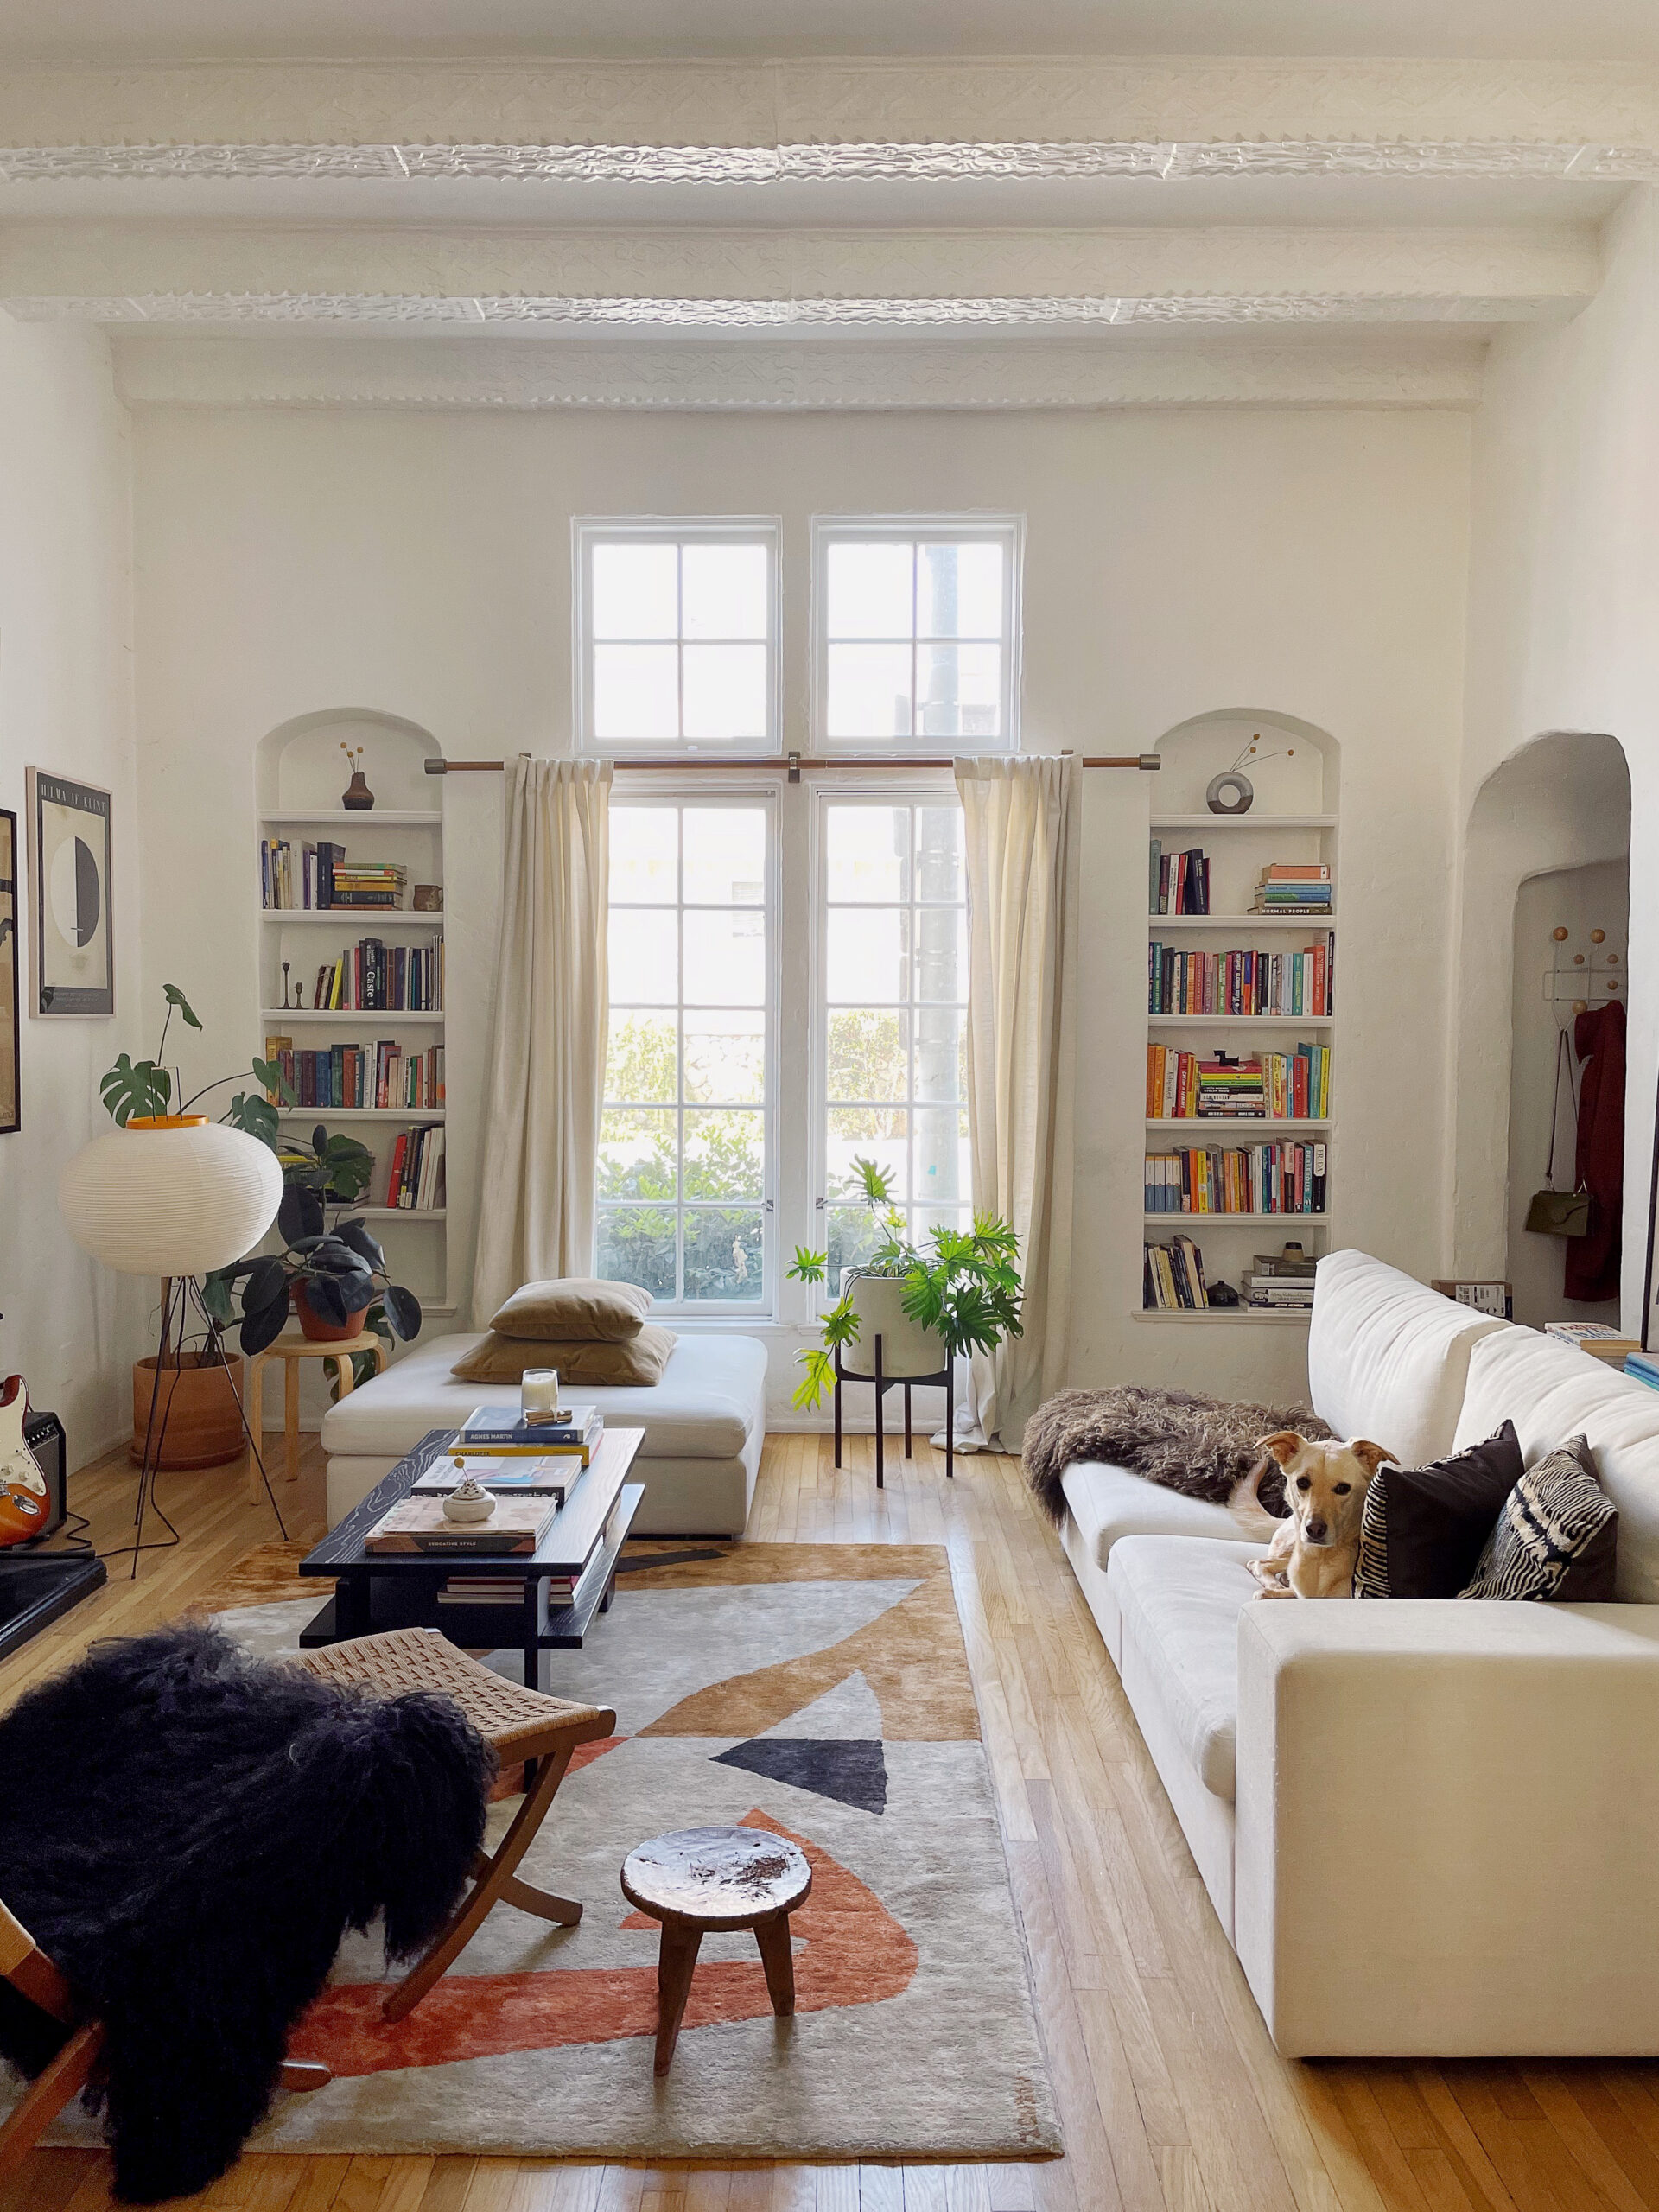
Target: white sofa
x=1428 y=1829
x=705 y=1424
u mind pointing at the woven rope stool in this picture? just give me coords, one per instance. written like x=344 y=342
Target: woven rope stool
x=699 y=1880
x=518 y=1724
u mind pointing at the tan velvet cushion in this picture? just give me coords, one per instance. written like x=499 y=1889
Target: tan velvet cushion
x=575 y=1309
x=504 y=1359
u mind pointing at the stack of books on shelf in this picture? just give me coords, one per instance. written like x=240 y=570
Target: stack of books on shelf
x=376 y=978
x=1281 y=1283
x=1177 y=883
x=1286 y=1177
x=349 y=1075
x=322 y=876
x=1277 y=1086
x=1241 y=982
x=1293 y=888
x=1173 y=1279
x=416 y=1180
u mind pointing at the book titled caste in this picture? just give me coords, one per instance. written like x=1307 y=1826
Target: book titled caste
x=499 y=1430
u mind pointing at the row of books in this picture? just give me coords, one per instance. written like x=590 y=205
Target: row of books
x=1276 y=1086
x=376 y=978
x=383 y=1074
x=1285 y=1178
x=1293 y=888
x=1241 y=982
x=1177 y=883
x=321 y=875
x=1173 y=1279
x=416 y=1179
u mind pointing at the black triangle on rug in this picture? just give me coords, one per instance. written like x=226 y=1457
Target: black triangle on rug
x=850 y=1770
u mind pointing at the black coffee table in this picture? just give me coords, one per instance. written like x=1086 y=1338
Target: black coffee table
x=385 y=1589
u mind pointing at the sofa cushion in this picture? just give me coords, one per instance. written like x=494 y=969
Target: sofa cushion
x=1424 y=1528
x=710 y=1400
x=582 y=1308
x=1108 y=1503
x=1553 y=1391
x=1388 y=1358
x=507 y=1359
x=1182 y=1600
x=1556 y=1538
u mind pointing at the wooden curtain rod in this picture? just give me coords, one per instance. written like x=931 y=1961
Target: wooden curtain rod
x=794 y=762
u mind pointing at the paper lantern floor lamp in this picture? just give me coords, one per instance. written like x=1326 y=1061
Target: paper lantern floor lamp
x=174 y=1196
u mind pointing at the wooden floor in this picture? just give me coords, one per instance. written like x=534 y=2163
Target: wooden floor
x=1172 y=2098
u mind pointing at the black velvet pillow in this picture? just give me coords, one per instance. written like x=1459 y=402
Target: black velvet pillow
x=1424 y=1528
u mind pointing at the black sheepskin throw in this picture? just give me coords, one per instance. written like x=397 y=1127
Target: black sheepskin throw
x=188 y=1832
x=1201 y=1447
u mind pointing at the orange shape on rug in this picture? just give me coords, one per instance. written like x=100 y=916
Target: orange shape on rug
x=855 y=1953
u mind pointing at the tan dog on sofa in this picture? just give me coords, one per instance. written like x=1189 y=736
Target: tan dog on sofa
x=1314 y=1550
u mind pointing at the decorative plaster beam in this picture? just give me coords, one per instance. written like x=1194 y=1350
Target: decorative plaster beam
x=769 y=280
x=759 y=122
x=349 y=370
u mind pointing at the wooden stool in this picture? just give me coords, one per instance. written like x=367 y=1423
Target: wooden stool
x=702 y=1878
x=291 y=1350
x=518 y=1724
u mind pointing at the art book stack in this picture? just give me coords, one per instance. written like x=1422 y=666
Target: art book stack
x=1293 y=888
x=1281 y=1282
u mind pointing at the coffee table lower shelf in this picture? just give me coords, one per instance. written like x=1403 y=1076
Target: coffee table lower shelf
x=480 y=1628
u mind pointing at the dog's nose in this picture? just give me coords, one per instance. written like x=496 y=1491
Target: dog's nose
x=1315 y=1532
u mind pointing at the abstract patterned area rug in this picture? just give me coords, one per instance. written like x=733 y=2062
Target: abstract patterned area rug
x=818 y=1690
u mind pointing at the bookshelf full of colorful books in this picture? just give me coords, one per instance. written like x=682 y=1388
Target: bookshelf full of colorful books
x=1242 y=995
x=352 y=972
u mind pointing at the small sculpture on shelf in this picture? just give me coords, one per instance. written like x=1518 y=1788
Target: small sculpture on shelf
x=357 y=798
x=468 y=1501
x=1231 y=792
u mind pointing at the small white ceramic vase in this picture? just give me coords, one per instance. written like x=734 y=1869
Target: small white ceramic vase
x=469 y=1501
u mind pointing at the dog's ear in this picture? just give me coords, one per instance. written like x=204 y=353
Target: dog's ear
x=1370 y=1456
x=1282 y=1446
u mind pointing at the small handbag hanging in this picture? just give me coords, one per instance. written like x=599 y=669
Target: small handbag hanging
x=1553 y=1213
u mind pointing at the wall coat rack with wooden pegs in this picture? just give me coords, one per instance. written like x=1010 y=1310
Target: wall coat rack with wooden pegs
x=1582 y=980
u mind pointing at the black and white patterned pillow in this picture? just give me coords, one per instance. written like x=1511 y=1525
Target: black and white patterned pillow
x=1556 y=1538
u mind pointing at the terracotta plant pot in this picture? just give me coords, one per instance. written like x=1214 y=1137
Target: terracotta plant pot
x=318 y=1331
x=204 y=1422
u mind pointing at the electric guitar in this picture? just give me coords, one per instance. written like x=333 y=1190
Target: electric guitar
x=23 y=1502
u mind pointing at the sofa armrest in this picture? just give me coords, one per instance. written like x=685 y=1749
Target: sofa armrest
x=1448 y=1827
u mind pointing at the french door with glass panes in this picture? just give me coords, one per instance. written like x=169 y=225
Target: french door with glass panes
x=767 y=1035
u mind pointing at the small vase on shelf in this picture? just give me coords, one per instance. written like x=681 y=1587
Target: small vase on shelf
x=357 y=798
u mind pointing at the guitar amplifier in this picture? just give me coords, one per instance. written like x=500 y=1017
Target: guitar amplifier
x=43 y=1433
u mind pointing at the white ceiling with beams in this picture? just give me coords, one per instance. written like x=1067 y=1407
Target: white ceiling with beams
x=781 y=230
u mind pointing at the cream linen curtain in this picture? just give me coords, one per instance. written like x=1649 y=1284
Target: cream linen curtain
x=1021 y=821
x=547 y=1056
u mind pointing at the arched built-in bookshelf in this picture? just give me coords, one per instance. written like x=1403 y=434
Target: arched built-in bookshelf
x=393 y=1013
x=1292 y=821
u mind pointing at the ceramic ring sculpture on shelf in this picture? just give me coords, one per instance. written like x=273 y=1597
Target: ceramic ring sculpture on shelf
x=1230 y=793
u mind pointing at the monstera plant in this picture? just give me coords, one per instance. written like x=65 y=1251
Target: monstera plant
x=144 y=1088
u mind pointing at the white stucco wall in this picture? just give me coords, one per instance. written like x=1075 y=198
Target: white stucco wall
x=1563 y=637
x=66 y=705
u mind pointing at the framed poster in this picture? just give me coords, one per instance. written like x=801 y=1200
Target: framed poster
x=11 y=1095
x=72 y=948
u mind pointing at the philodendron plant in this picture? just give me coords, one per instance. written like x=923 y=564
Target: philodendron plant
x=340 y=1266
x=961 y=1284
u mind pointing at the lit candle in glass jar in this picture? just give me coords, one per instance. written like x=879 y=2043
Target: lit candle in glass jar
x=539 y=1394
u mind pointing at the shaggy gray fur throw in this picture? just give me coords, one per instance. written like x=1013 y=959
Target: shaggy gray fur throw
x=1201 y=1447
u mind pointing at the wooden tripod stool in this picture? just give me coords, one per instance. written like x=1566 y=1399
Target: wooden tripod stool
x=700 y=1879
x=519 y=1724
x=291 y=1350
x=34 y=1976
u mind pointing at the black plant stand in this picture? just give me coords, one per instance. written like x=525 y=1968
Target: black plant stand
x=907 y=1382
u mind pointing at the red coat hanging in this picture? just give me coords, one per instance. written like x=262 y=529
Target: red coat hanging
x=1593 y=1261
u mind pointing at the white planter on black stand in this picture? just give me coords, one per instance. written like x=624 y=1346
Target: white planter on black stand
x=892 y=1348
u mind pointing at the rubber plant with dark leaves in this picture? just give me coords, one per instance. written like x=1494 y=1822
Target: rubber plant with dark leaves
x=337 y=1266
x=963 y=1284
